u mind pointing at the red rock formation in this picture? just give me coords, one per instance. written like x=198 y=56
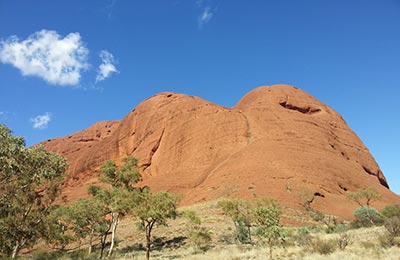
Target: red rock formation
x=277 y=141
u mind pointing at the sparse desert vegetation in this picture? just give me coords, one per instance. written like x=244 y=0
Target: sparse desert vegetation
x=119 y=220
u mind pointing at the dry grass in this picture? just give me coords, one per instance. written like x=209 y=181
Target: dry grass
x=364 y=243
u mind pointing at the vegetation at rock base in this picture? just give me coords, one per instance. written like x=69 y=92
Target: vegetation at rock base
x=33 y=226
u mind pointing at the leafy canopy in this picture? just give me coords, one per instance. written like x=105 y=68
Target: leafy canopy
x=30 y=182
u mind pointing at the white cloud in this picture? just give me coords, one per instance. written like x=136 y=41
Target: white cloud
x=41 y=121
x=45 y=54
x=205 y=17
x=107 y=66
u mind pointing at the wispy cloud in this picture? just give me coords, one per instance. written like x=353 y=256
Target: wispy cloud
x=41 y=121
x=107 y=67
x=205 y=17
x=110 y=4
x=45 y=54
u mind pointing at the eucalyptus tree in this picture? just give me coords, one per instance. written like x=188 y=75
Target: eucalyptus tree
x=30 y=182
x=117 y=197
x=154 y=208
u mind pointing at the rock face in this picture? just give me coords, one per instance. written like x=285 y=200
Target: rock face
x=278 y=141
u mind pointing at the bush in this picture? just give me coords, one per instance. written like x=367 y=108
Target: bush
x=200 y=239
x=302 y=237
x=392 y=210
x=317 y=216
x=366 y=217
x=387 y=241
x=344 y=240
x=323 y=247
x=392 y=225
x=242 y=234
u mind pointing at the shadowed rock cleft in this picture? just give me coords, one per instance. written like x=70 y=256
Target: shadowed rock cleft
x=305 y=110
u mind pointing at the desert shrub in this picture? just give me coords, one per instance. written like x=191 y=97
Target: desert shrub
x=392 y=210
x=73 y=255
x=387 y=240
x=242 y=234
x=43 y=255
x=366 y=217
x=392 y=225
x=200 y=239
x=317 y=215
x=302 y=237
x=323 y=247
x=344 y=240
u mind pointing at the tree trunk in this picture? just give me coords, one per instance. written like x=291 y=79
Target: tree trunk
x=249 y=232
x=90 y=241
x=148 y=243
x=103 y=242
x=270 y=248
x=15 y=250
x=114 y=225
x=148 y=228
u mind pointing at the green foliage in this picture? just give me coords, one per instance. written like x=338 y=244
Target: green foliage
x=366 y=217
x=242 y=233
x=267 y=217
x=194 y=220
x=317 y=215
x=30 y=182
x=199 y=236
x=116 y=201
x=240 y=211
x=364 y=197
x=392 y=210
x=124 y=176
x=302 y=237
x=154 y=208
x=58 y=233
x=392 y=225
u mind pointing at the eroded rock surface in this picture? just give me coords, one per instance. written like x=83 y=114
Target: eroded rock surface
x=277 y=141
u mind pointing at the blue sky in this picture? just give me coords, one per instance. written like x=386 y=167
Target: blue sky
x=65 y=65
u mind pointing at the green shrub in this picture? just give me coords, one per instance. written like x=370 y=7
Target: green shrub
x=323 y=247
x=392 y=210
x=242 y=234
x=366 y=217
x=317 y=215
x=392 y=225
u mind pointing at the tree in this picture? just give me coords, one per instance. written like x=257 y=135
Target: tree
x=364 y=197
x=58 y=232
x=240 y=211
x=87 y=218
x=154 y=208
x=117 y=198
x=267 y=217
x=30 y=182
